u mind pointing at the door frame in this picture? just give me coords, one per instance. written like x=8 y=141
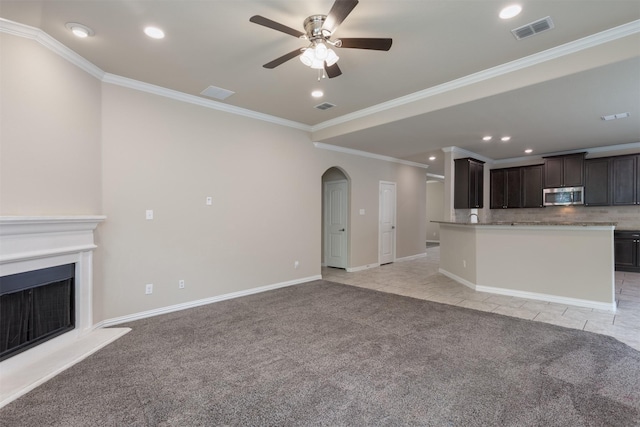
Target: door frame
x=395 y=219
x=325 y=229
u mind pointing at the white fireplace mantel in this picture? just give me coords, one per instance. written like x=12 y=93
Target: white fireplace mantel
x=30 y=243
x=31 y=237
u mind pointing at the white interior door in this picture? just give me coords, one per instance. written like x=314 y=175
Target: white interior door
x=335 y=224
x=387 y=232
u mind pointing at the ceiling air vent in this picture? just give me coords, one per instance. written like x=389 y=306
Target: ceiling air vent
x=533 y=28
x=217 y=93
x=324 y=106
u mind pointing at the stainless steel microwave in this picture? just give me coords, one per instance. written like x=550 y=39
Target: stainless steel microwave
x=563 y=196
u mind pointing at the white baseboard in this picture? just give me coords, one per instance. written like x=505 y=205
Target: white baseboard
x=205 y=301
x=458 y=279
x=412 y=257
x=533 y=295
x=377 y=264
x=362 y=267
x=549 y=298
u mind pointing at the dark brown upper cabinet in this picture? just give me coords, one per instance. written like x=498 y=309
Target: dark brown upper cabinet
x=468 y=183
x=506 y=188
x=597 y=184
x=532 y=186
x=564 y=171
x=519 y=187
x=625 y=180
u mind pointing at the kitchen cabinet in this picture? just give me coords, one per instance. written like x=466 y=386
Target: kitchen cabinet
x=506 y=188
x=625 y=180
x=519 y=187
x=627 y=250
x=532 y=186
x=597 y=185
x=564 y=171
x=468 y=183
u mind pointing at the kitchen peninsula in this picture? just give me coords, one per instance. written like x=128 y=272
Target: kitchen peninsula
x=562 y=262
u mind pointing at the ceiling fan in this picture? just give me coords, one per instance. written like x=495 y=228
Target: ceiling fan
x=318 y=31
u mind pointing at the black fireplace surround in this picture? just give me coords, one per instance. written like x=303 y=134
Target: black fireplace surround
x=35 y=306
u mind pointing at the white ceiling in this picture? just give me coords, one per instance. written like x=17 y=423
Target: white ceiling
x=454 y=73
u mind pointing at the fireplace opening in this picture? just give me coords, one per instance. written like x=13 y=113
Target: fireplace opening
x=35 y=306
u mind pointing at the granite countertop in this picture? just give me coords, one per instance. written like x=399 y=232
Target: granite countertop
x=529 y=223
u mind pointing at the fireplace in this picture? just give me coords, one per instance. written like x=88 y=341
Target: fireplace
x=62 y=246
x=35 y=306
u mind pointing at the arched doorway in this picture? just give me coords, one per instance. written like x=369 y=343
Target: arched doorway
x=335 y=218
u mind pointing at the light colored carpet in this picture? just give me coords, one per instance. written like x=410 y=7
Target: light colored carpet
x=329 y=354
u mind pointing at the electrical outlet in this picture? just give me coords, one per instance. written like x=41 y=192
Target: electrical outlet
x=296 y=265
x=148 y=289
x=464 y=263
x=180 y=284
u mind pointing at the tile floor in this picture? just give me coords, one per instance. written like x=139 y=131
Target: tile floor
x=420 y=279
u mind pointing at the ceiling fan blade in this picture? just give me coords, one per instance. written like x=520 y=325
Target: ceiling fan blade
x=339 y=11
x=366 y=43
x=261 y=20
x=332 y=71
x=283 y=59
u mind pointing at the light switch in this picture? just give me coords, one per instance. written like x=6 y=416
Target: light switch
x=361 y=211
x=149 y=213
x=209 y=201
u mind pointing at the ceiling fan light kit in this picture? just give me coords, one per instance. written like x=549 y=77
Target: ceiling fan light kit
x=318 y=30
x=317 y=55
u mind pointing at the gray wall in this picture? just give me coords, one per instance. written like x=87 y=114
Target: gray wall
x=435 y=209
x=49 y=133
x=140 y=151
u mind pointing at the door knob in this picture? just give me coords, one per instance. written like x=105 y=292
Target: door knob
x=342 y=229
x=393 y=227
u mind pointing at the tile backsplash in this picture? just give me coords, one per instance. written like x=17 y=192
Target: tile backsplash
x=627 y=217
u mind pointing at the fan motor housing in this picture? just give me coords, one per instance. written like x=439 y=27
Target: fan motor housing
x=313 y=26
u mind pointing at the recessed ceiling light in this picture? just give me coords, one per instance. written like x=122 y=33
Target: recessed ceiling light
x=317 y=93
x=528 y=151
x=505 y=138
x=154 y=32
x=432 y=158
x=510 y=11
x=79 y=30
x=486 y=138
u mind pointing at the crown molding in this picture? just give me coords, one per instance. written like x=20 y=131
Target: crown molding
x=597 y=39
x=330 y=147
x=32 y=33
x=461 y=152
x=612 y=148
x=26 y=31
x=594 y=150
x=196 y=100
